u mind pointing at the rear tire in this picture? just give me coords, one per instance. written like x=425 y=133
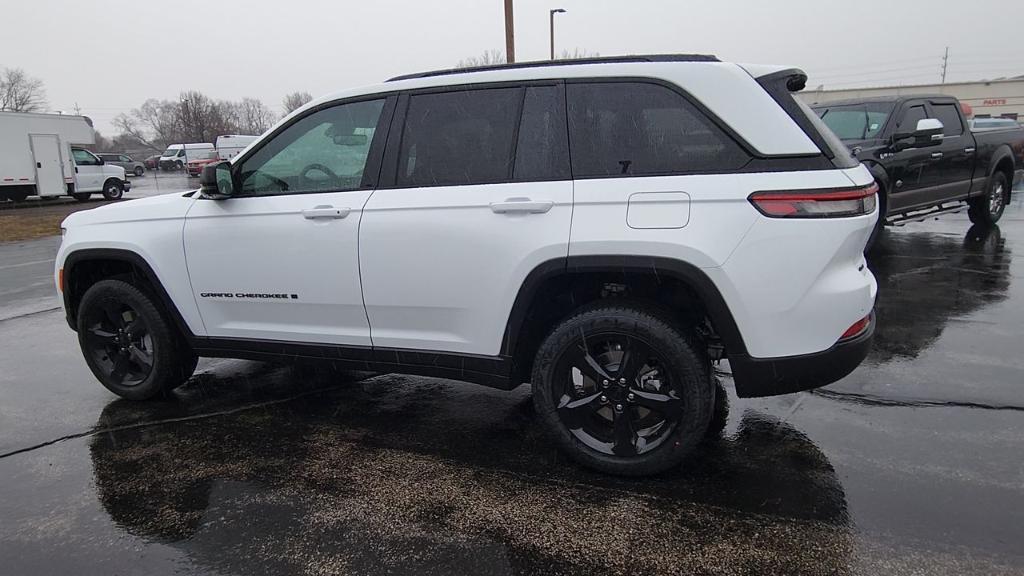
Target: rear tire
x=17 y=196
x=81 y=196
x=651 y=411
x=139 y=171
x=128 y=344
x=113 y=189
x=988 y=209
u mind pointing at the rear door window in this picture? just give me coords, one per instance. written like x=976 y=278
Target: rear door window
x=459 y=138
x=542 y=151
x=643 y=129
x=950 y=118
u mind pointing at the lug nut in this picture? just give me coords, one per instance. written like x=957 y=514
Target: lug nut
x=604 y=383
x=622 y=381
x=630 y=397
x=604 y=399
x=618 y=407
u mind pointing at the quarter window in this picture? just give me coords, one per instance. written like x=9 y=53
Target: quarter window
x=325 y=151
x=950 y=118
x=640 y=129
x=459 y=138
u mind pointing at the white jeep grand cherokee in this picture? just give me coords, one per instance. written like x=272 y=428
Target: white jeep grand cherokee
x=603 y=229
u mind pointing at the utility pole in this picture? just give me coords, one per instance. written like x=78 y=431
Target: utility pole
x=945 y=63
x=78 y=110
x=510 y=42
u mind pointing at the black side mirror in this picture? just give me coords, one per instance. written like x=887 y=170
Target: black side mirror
x=99 y=161
x=216 y=181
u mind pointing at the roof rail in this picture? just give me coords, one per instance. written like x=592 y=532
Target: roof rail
x=568 y=62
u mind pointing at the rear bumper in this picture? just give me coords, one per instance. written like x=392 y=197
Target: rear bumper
x=755 y=377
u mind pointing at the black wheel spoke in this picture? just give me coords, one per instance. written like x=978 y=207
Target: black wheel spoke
x=591 y=368
x=634 y=357
x=665 y=404
x=100 y=338
x=625 y=437
x=121 y=365
x=142 y=359
x=137 y=328
x=575 y=412
x=113 y=313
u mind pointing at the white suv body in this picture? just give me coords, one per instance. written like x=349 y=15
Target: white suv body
x=444 y=223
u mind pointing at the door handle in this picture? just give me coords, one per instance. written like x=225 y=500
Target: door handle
x=969 y=150
x=521 y=206
x=936 y=155
x=39 y=164
x=326 y=212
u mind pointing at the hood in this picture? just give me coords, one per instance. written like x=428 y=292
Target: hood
x=163 y=207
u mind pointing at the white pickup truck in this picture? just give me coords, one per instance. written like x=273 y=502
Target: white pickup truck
x=39 y=156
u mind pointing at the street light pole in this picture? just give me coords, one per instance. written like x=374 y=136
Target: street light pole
x=551 y=15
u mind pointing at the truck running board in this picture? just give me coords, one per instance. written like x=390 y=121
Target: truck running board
x=922 y=215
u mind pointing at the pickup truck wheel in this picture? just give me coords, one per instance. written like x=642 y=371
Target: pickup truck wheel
x=139 y=171
x=989 y=208
x=81 y=196
x=113 y=190
x=128 y=344
x=621 y=390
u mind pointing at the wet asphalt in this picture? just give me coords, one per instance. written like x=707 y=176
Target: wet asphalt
x=910 y=465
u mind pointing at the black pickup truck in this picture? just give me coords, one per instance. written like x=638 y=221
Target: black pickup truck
x=926 y=158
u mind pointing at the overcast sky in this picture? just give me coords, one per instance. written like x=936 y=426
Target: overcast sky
x=108 y=56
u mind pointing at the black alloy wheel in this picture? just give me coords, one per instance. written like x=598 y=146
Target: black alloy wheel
x=624 y=389
x=614 y=396
x=118 y=340
x=129 y=344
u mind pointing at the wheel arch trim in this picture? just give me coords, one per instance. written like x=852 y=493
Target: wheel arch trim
x=76 y=257
x=688 y=274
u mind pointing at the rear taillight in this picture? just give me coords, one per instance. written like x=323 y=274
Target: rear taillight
x=818 y=203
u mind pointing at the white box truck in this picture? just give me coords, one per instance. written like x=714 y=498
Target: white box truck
x=229 y=145
x=36 y=159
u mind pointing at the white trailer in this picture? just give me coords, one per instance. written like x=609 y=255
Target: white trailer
x=35 y=153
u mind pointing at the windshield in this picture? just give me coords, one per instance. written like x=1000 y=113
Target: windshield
x=856 y=121
x=171 y=152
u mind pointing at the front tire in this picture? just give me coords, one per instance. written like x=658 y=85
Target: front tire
x=988 y=209
x=128 y=344
x=139 y=171
x=622 y=390
x=178 y=165
x=113 y=189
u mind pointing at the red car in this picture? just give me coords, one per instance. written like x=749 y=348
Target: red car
x=195 y=167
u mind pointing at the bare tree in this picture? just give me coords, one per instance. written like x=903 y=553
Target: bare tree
x=200 y=119
x=488 y=58
x=20 y=92
x=576 y=54
x=129 y=127
x=252 y=116
x=295 y=100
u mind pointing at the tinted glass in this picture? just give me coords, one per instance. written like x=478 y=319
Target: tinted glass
x=83 y=158
x=856 y=121
x=458 y=138
x=124 y=158
x=950 y=118
x=543 y=149
x=908 y=123
x=636 y=129
x=326 y=150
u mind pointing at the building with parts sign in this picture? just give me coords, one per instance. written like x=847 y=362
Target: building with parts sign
x=1003 y=98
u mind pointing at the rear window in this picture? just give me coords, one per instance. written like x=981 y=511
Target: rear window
x=841 y=155
x=856 y=121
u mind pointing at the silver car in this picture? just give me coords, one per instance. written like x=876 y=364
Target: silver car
x=125 y=161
